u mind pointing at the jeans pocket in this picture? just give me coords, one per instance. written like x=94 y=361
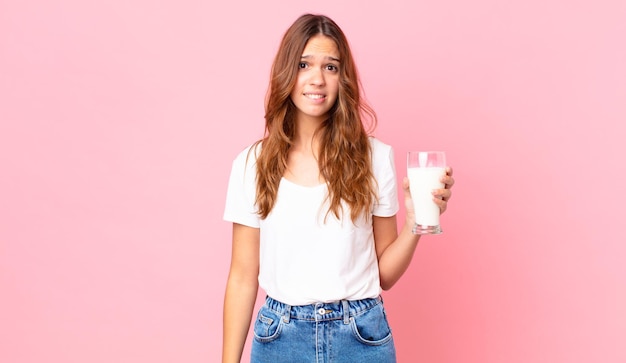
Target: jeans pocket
x=371 y=327
x=267 y=326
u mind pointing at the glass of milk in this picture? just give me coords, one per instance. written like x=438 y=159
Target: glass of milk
x=424 y=169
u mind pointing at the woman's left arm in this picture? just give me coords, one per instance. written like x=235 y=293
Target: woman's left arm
x=395 y=251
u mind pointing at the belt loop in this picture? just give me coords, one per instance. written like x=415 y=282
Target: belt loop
x=287 y=314
x=346 y=311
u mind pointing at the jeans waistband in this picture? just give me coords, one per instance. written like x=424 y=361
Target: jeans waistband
x=343 y=309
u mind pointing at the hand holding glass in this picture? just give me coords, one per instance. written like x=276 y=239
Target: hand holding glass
x=425 y=169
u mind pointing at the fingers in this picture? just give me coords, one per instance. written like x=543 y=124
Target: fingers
x=441 y=198
x=442 y=194
x=405 y=183
x=447 y=179
x=446 y=193
x=441 y=203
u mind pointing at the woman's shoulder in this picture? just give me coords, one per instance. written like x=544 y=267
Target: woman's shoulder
x=382 y=156
x=379 y=147
x=250 y=152
x=247 y=157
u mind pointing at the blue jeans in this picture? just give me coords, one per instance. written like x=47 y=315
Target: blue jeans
x=338 y=332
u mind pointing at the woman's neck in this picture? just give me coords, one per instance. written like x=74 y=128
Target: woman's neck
x=306 y=136
x=302 y=160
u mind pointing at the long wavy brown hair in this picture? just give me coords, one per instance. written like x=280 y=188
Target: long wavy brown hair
x=344 y=155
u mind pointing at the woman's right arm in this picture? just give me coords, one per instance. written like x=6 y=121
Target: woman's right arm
x=241 y=291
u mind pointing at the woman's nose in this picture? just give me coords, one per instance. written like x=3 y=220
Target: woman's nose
x=317 y=77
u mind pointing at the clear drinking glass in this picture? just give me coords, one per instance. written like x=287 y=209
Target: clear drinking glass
x=424 y=169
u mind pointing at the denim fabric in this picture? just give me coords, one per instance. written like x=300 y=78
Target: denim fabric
x=338 y=332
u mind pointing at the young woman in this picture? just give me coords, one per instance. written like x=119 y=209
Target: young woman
x=313 y=207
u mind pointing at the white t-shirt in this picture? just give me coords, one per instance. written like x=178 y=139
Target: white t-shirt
x=306 y=254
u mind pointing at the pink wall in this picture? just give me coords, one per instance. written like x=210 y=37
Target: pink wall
x=119 y=121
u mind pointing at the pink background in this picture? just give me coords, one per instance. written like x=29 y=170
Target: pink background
x=119 y=122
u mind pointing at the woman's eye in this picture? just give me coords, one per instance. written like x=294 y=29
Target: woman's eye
x=332 y=67
x=302 y=65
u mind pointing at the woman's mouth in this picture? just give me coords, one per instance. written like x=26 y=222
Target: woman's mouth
x=314 y=96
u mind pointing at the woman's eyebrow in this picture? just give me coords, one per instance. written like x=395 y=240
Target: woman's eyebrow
x=326 y=57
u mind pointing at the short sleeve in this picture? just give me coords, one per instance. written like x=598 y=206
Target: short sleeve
x=240 y=197
x=383 y=163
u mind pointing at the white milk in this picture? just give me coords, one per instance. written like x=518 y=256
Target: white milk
x=422 y=181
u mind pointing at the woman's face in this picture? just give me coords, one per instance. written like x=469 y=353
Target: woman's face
x=317 y=83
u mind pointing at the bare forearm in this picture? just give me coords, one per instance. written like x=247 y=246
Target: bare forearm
x=238 y=307
x=397 y=257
